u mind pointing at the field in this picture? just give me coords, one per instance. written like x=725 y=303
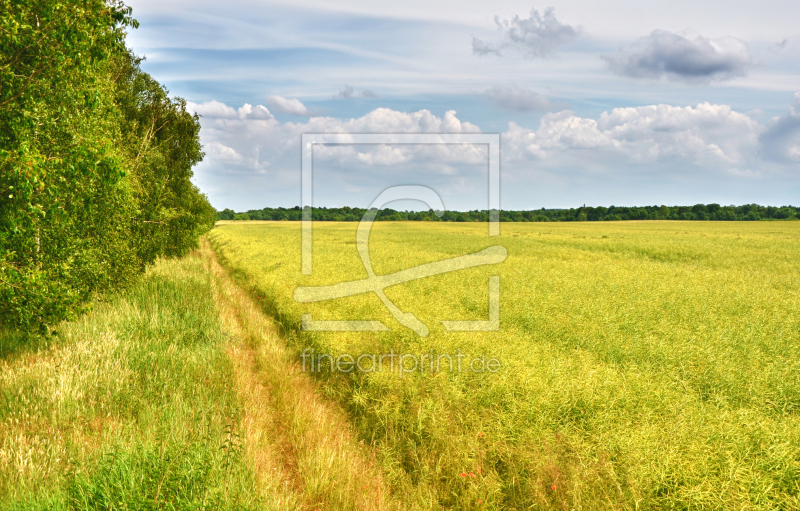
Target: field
x=644 y=365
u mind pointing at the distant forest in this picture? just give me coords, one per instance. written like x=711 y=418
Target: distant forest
x=584 y=214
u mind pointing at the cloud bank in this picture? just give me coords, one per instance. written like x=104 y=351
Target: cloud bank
x=713 y=136
x=249 y=152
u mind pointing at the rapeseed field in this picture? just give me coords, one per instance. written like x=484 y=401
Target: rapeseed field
x=643 y=365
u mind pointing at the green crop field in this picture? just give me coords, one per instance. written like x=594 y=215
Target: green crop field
x=644 y=365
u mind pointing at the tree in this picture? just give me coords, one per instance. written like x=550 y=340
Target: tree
x=162 y=144
x=88 y=196
x=226 y=214
x=63 y=198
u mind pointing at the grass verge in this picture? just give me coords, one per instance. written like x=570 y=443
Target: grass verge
x=177 y=394
x=130 y=407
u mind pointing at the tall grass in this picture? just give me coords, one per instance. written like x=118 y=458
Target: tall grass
x=131 y=407
x=646 y=365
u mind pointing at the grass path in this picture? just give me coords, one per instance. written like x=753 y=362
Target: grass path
x=301 y=447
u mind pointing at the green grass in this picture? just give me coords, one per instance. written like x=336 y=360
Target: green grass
x=131 y=407
x=649 y=365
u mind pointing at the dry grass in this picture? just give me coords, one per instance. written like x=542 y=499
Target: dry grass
x=301 y=445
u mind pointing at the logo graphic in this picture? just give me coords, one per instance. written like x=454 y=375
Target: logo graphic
x=377 y=283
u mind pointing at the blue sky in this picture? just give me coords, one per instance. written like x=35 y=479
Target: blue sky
x=624 y=103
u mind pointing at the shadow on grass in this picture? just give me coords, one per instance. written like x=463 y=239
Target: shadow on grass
x=15 y=343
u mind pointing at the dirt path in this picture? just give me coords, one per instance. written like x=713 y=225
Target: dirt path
x=301 y=446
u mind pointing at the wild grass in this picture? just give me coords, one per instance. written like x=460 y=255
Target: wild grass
x=645 y=365
x=131 y=407
x=177 y=394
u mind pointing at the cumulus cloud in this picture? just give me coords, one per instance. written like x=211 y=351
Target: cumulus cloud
x=349 y=93
x=781 y=140
x=256 y=161
x=519 y=99
x=386 y=120
x=213 y=109
x=686 y=56
x=239 y=135
x=291 y=106
x=707 y=134
x=710 y=135
x=222 y=152
x=216 y=110
x=535 y=36
x=259 y=112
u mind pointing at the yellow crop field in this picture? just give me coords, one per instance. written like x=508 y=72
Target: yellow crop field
x=640 y=365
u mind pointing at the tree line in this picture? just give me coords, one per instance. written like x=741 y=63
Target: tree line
x=95 y=161
x=583 y=214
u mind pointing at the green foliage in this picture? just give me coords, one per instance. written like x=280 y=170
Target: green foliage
x=163 y=144
x=88 y=196
x=226 y=214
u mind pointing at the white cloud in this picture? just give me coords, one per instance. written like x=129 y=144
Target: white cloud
x=686 y=56
x=710 y=135
x=536 y=36
x=257 y=160
x=213 y=109
x=216 y=110
x=260 y=112
x=291 y=106
x=222 y=152
x=386 y=120
x=519 y=99
x=240 y=136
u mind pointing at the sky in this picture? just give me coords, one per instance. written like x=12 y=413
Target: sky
x=597 y=103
